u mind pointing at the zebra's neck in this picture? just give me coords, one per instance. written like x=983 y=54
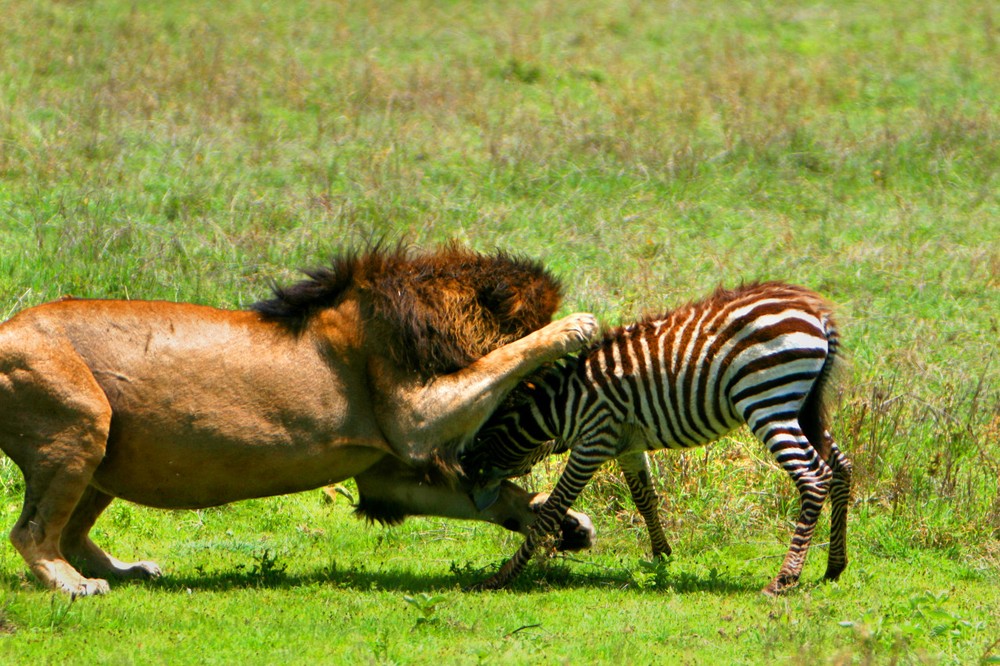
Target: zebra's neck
x=584 y=391
x=547 y=416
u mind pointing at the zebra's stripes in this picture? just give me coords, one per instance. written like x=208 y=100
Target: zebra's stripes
x=761 y=355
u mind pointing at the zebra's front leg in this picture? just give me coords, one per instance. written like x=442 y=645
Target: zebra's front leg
x=635 y=467
x=583 y=463
x=576 y=531
x=546 y=524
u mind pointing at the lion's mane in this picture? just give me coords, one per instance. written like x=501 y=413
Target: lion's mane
x=442 y=309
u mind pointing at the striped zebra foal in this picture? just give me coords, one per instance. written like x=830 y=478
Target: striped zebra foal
x=761 y=354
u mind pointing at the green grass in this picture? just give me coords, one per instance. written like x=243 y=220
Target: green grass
x=646 y=152
x=325 y=589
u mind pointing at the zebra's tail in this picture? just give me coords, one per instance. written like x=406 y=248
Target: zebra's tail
x=814 y=416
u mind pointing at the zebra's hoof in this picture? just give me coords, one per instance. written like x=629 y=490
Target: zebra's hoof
x=833 y=571
x=779 y=586
x=488 y=585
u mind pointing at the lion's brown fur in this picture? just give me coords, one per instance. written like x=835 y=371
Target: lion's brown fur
x=442 y=309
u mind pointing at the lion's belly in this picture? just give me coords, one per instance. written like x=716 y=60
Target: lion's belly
x=181 y=477
x=221 y=440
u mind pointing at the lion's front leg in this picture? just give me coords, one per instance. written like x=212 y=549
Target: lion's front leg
x=392 y=490
x=420 y=418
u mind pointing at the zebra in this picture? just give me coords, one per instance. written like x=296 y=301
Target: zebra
x=761 y=354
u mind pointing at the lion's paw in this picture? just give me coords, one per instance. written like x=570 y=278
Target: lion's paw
x=143 y=569
x=85 y=587
x=576 y=532
x=578 y=329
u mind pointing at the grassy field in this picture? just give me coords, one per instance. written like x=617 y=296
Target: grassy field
x=647 y=152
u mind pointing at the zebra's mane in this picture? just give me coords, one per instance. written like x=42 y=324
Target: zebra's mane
x=746 y=290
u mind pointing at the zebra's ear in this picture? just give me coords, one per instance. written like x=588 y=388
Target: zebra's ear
x=485 y=496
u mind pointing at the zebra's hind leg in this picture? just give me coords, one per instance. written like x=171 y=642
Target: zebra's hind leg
x=811 y=476
x=635 y=467
x=840 y=499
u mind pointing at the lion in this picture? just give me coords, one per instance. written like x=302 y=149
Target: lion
x=378 y=367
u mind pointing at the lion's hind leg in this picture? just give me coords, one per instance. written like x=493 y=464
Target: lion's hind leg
x=48 y=503
x=78 y=548
x=54 y=427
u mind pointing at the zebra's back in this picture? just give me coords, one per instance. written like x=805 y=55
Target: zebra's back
x=692 y=375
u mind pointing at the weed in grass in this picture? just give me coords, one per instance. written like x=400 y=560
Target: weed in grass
x=426 y=604
x=924 y=619
x=266 y=569
x=11 y=481
x=653 y=575
x=467 y=572
x=7 y=626
x=380 y=648
x=60 y=608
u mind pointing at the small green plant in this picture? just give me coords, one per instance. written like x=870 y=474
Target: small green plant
x=925 y=616
x=469 y=572
x=267 y=569
x=519 y=70
x=60 y=606
x=380 y=648
x=427 y=604
x=929 y=615
x=6 y=624
x=653 y=574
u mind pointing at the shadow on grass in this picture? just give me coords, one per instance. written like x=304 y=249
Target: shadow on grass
x=554 y=575
x=549 y=577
